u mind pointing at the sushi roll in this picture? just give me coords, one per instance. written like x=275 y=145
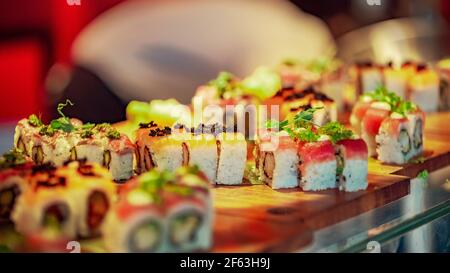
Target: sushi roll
x=94 y=191
x=135 y=227
x=24 y=132
x=277 y=161
x=232 y=157
x=292 y=101
x=67 y=139
x=48 y=203
x=14 y=172
x=158 y=148
x=425 y=89
x=371 y=123
x=400 y=138
x=366 y=76
x=397 y=80
x=317 y=165
x=162 y=212
x=352 y=167
x=389 y=126
x=201 y=150
x=358 y=113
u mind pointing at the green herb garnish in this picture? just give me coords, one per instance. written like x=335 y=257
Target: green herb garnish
x=113 y=134
x=223 y=83
x=306 y=135
x=46 y=130
x=88 y=126
x=12 y=158
x=34 y=121
x=335 y=131
x=63 y=124
x=61 y=106
x=423 y=175
x=397 y=105
x=86 y=133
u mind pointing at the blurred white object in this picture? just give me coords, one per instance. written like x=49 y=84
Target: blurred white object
x=162 y=49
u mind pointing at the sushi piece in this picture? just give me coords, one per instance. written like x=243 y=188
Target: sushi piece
x=367 y=77
x=46 y=204
x=162 y=212
x=201 y=150
x=371 y=123
x=72 y=200
x=158 y=148
x=232 y=156
x=425 y=89
x=397 y=79
x=358 y=113
x=292 y=101
x=67 y=139
x=352 y=167
x=277 y=161
x=389 y=126
x=400 y=138
x=135 y=228
x=14 y=172
x=317 y=165
x=94 y=190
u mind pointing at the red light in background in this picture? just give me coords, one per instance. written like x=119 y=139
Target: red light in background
x=21 y=74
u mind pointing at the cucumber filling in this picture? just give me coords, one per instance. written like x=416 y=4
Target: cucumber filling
x=183 y=228
x=404 y=140
x=145 y=237
x=418 y=137
x=55 y=216
x=7 y=200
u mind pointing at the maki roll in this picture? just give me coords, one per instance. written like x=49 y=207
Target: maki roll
x=95 y=192
x=201 y=150
x=358 y=113
x=397 y=79
x=158 y=148
x=292 y=101
x=232 y=157
x=371 y=123
x=48 y=203
x=277 y=161
x=390 y=126
x=66 y=139
x=313 y=157
x=14 y=172
x=425 y=89
x=400 y=138
x=136 y=227
x=352 y=168
x=162 y=212
x=369 y=77
x=317 y=167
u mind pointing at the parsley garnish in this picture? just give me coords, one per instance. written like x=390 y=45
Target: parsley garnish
x=113 y=134
x=423 y=175
x=335 y=131
x=34 y=121
x=223 y=83
x=12 y=158
x=397 y=105
x=303 y=128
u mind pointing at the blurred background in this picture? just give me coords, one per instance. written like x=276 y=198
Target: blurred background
x=39 y=65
